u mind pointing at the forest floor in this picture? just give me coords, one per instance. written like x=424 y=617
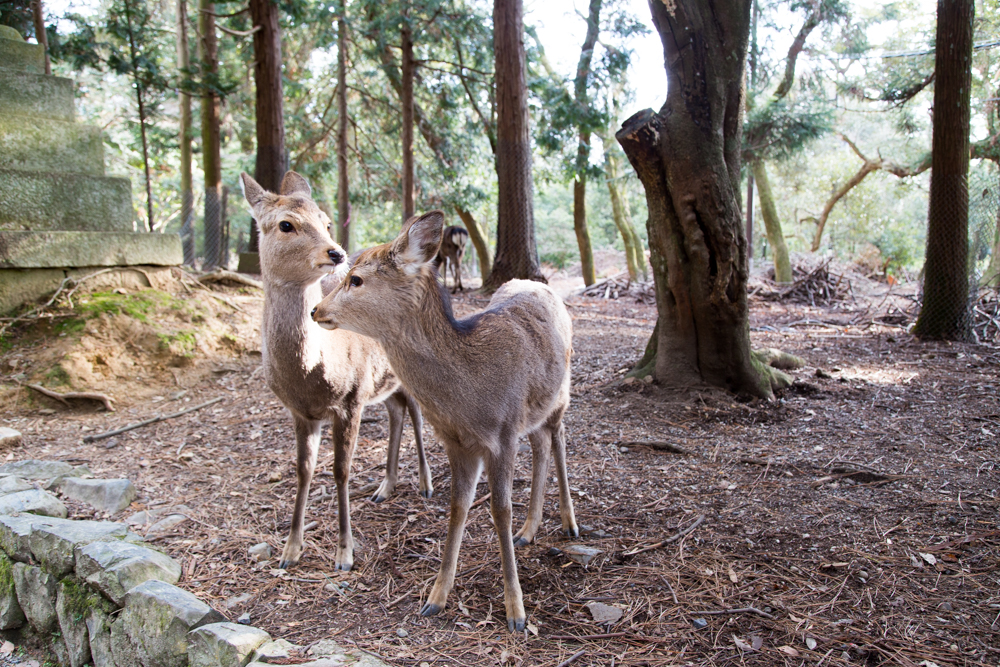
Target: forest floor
x=853 y=520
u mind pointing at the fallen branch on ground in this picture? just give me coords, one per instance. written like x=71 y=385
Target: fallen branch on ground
x=571 y=659
x=220 y=275
x=673 y=538
x=85 y=395
x=34 y=313
x=741 y=610
x=157 y=418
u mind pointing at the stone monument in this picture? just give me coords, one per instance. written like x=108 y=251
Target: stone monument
x=59 y=214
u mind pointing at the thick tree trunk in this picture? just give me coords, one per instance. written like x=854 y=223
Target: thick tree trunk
x=272 y=160
x=140 y=104
x=480 y=241
x=944 y=312
x=38 y=14
x=407 y=101
x=622 y=216
x=772 y=223
x=343 y=194
x=187 y=190
x=210 y=139
x=688 y=159
x=580 y=227
x=517 y=254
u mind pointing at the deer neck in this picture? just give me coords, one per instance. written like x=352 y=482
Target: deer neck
x=290 y=338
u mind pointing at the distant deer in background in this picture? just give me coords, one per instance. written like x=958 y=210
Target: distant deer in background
x=452 y=249
x=321 y=376
x=482 y=381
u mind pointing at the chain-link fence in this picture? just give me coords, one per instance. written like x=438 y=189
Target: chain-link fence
x=206 y=239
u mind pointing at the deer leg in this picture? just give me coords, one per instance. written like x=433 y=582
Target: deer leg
x=465 y=469
x=501 y=478
x=416 y=417
x=307 y=435
x=458 y=274
x=395 y=405
x=541 y=448
x=345 y=434
x=569 y=526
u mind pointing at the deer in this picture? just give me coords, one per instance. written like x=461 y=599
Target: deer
x=322 y=377
x=481 y=381
x=452 y=249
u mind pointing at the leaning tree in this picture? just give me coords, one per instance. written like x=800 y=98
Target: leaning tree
x=688 y=159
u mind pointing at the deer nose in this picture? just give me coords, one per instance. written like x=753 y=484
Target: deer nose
x=312 y=313
x=335 y=255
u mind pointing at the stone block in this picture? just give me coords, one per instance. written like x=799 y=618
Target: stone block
x=36 y=593
x=66 y=249
x=34 y=469
x=224 y=645
x=17 y=54
x=273 y=651
x=19 y=286
x=9 y=438
x=155 y=623
x=35 y=501
x=116 y=567
x=10 y=484
x=99 y=633
x=15 y=536
x=42 y=144
x=36 y=95
x=107 y=495
x=74 y=602
x=11 y=615
x=123 y=651
x=54 y=544
x=36 y=201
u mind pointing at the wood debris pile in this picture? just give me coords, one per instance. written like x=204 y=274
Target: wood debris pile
x=619 y=285
x=814 y=287
x=986 y=317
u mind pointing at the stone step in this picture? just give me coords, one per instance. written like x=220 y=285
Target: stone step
x=17 y=54
x=43 y=144
x=35 y=201
x=35 y=95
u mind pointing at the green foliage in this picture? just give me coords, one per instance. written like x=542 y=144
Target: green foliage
x=17 y=15
x=778 y=130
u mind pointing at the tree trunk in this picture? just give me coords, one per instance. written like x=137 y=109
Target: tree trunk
x=517 y=254
x=40 y=35
x=580 y=227
x=749 y=217
x=944 y=312
x=343 y=195
x=772 y=223
x=688 y=159
x=480 y=241
x=187 y=191
x=407 y=101
x=140 y=103
x=582 y=100
x=620 y=213
x=210 y=139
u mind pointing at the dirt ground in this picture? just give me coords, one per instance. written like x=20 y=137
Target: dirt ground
x=854 y=520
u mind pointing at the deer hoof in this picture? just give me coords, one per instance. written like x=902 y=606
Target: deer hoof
x=343 y=567
x=520 y=542
x=426 y=493
x=516 y=624
x=379 y=498
x=571 y=532
x=429 y=609
x=287 y=564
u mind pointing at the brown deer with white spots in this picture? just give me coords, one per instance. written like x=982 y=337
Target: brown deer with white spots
x=482 y=381
x=322 y=377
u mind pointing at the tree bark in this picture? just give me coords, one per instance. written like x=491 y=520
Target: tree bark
x=38 y=14
x=517 y=253
x=772 y=223
x=210 y=137
x=187 y=191
x=406 y=100
x=688 y=159
x=140 y=103
x=944 y=312
x=580 y=227
x=582 y=100
x=272 y=160
x=343 y=183
x=479 y=239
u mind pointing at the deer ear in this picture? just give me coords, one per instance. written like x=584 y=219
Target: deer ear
x=251 y=190
x=420 y=239
x=295 y=184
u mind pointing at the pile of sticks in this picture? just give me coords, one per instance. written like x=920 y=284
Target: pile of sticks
x=986 y=317
x=813 y=287
x=619 y=285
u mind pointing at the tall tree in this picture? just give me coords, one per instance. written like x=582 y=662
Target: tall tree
x=38 y=13
x=406 y=99
x=688 y=159
x=580 y=96
x=211 y=142
x=187 y=189
x=343 y=182
x=944 y=312
x=517 y=253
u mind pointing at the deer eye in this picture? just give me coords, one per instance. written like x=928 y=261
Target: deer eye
x=286 y=226
x=356 y=281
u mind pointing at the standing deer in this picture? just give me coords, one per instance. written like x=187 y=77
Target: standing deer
x=321 y=376
x=452 y=249
x=482 y=381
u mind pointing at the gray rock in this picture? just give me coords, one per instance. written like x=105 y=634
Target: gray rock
x=53 y=543
x=15 y=536
x=224 y=645
x=166 y=524
x=259 y=552
x=107 y=495
x=155 y=624
x=12 y=484
x=273 y=650
x=9 y=438
x=148 y=517
x=116 y=567
x=35 y=501
x=74 y=600
x=36 y=592
x=11 y=615
x=580 y=553
x=237 y=600
x=123 y=651
x=32 y=469
x=325 y=647
x=99 y=632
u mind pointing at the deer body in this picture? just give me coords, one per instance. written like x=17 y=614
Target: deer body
x=450 y=254
x=481 y=381
x=322 y=377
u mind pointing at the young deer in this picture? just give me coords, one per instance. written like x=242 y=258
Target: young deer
x=482 y=381
x=320 y=376
x=452 y=249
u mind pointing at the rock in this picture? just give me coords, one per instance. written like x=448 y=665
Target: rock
x=12 y=484
x=15 y=536
x=260 y=552
x=237 y=600
x=11 y=616
x=581 y=554
x=116 y=567
x=35 y=501
x=224 y=645
x=244 y=618
x=53 y=544
x=99 y=630
x=36 y=593
x=326 y=647
x=278 y=649
x=699 y=623
x=32 y=469
x=9 y=438
x=123 y=651
x=74 y=600
x=604 y=614
x=402 y=633
x=107 y=495
x=155 y=623
x=166 y=524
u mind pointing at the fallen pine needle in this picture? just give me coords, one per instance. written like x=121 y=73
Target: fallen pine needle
x=673 y=538
x=741 y=610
